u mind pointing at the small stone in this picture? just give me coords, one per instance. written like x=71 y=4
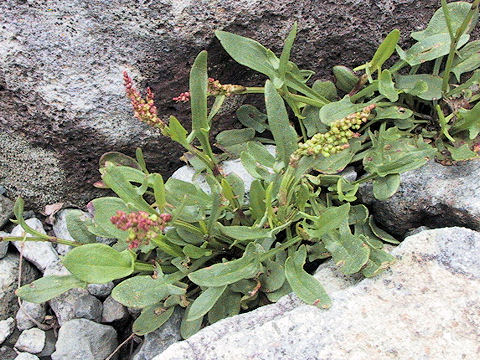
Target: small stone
x=9 y=267
x=349 y=173
x=156 y=342
x=60 y=230
x=113 y=311
x=7 y=353
x=39 y=253
x=76 y=303
x=3 y=245
x=29 y=310
x=26 y=356
x=32 y=341
x=82 y=339
x=101 y=290
x=6 y=329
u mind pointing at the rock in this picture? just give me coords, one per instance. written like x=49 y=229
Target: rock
x=7 y=353
x=76 y=303
x=26 y=356
x=6 y=210
x=349 y=173
x=6 y=329
x=416 y=231
x=113 y=311
x=426 y=303
x=61 y=231
x=3 y=245
x=101 y=290
x=63 y=101
x=82 y=339
x=157 y=341
x=27 y=311
x=49 y=348
x=31 y=340
x=9 y=267
x=433 y=195
x=39 y=253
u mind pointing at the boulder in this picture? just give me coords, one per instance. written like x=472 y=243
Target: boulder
x=424 y=306
x=433 y=195
x=62 y=100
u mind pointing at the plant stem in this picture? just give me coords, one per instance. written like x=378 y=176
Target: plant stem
x=274 y=251
x=454 y=40
x=366 y=178
x=142 y=267
x=253 y=90
x=51 y=239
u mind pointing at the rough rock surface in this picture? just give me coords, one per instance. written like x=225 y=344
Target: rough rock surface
x=433 y=195
x=3 y=245
x=62 y=100
x=31 y=341
x=113 y=311
x=26 y=356
x=39 y=253
x=6 y=210
x=82 y=339
x=8 y=283
x=156 y=342
x=27 y=311
x=6 y=329
x=426 y=306
x=76 y=303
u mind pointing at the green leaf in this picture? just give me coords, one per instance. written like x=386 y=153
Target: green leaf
x=385 y=50
x=177 y=132
x=118 y=158
x=277 y=295
x=273 y=276
x=253 y=167
x=358 y=214
x=159 y=191
x=229 y=272
x=142 y=291
x=261 y=154
x=285 y=56
x=235 y=136
x=198 y=93
x=332 y=218
x=468 y=121
x=48 y=287
x=381 y=233
x=18 y=212
x=345 y=78
x=438 y=25
x=431 y=48
x=189 y=328
x=251 y=117
x=257 y=199
x=195 y=252
x=248 y=52
x=386 y=86
x=410 y=82
x=227 y=305
x=245 y=232
x=338 y=110
x=77 y=226
x=467 y=59
x=302 y=283
x=151 y=319
x=462 y=153
x=205 y=302
x=393 y=112
x=349 y=251
x=385 y=187
x=181 y=193
x=98 y=263
x=283 y=133
x=378 y=261
x=370 y=238
x=104 y=209
x=326 y=89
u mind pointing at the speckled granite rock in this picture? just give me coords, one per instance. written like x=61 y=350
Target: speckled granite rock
x=433 y=195
x=425 y=307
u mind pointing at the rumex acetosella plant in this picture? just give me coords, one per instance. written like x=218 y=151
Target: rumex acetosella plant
x=235 y=247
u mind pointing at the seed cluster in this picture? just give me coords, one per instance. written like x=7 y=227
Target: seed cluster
x=214 y=88
x=336 y=139
x=141 y=226
x=144 y=109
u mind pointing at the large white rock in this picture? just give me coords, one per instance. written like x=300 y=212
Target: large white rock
x=425 y=307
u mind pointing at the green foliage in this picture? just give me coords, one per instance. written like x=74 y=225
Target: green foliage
x=234 y=247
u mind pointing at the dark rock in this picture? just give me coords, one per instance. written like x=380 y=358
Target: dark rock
x=62 y=100
x=6 y=210
x=7 y=353
x=433 y=196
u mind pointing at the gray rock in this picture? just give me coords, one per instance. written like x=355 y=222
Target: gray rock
x=113 y=311
x=3 y=245
x=425 y=306
x=61 y=231
x=349 y=173
x=6 y=329
x=82 y=339
x=157 y=341
x=416 y=231
x=39 y=253
x=101 y=290
x=433 y=195
x=68 y=73
x=9 y=267
x=26 y=356
x=6 y=210
x=76 y=303
x=50 y=341
x=27 y=311
x=31 y=340
x=7 y=353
